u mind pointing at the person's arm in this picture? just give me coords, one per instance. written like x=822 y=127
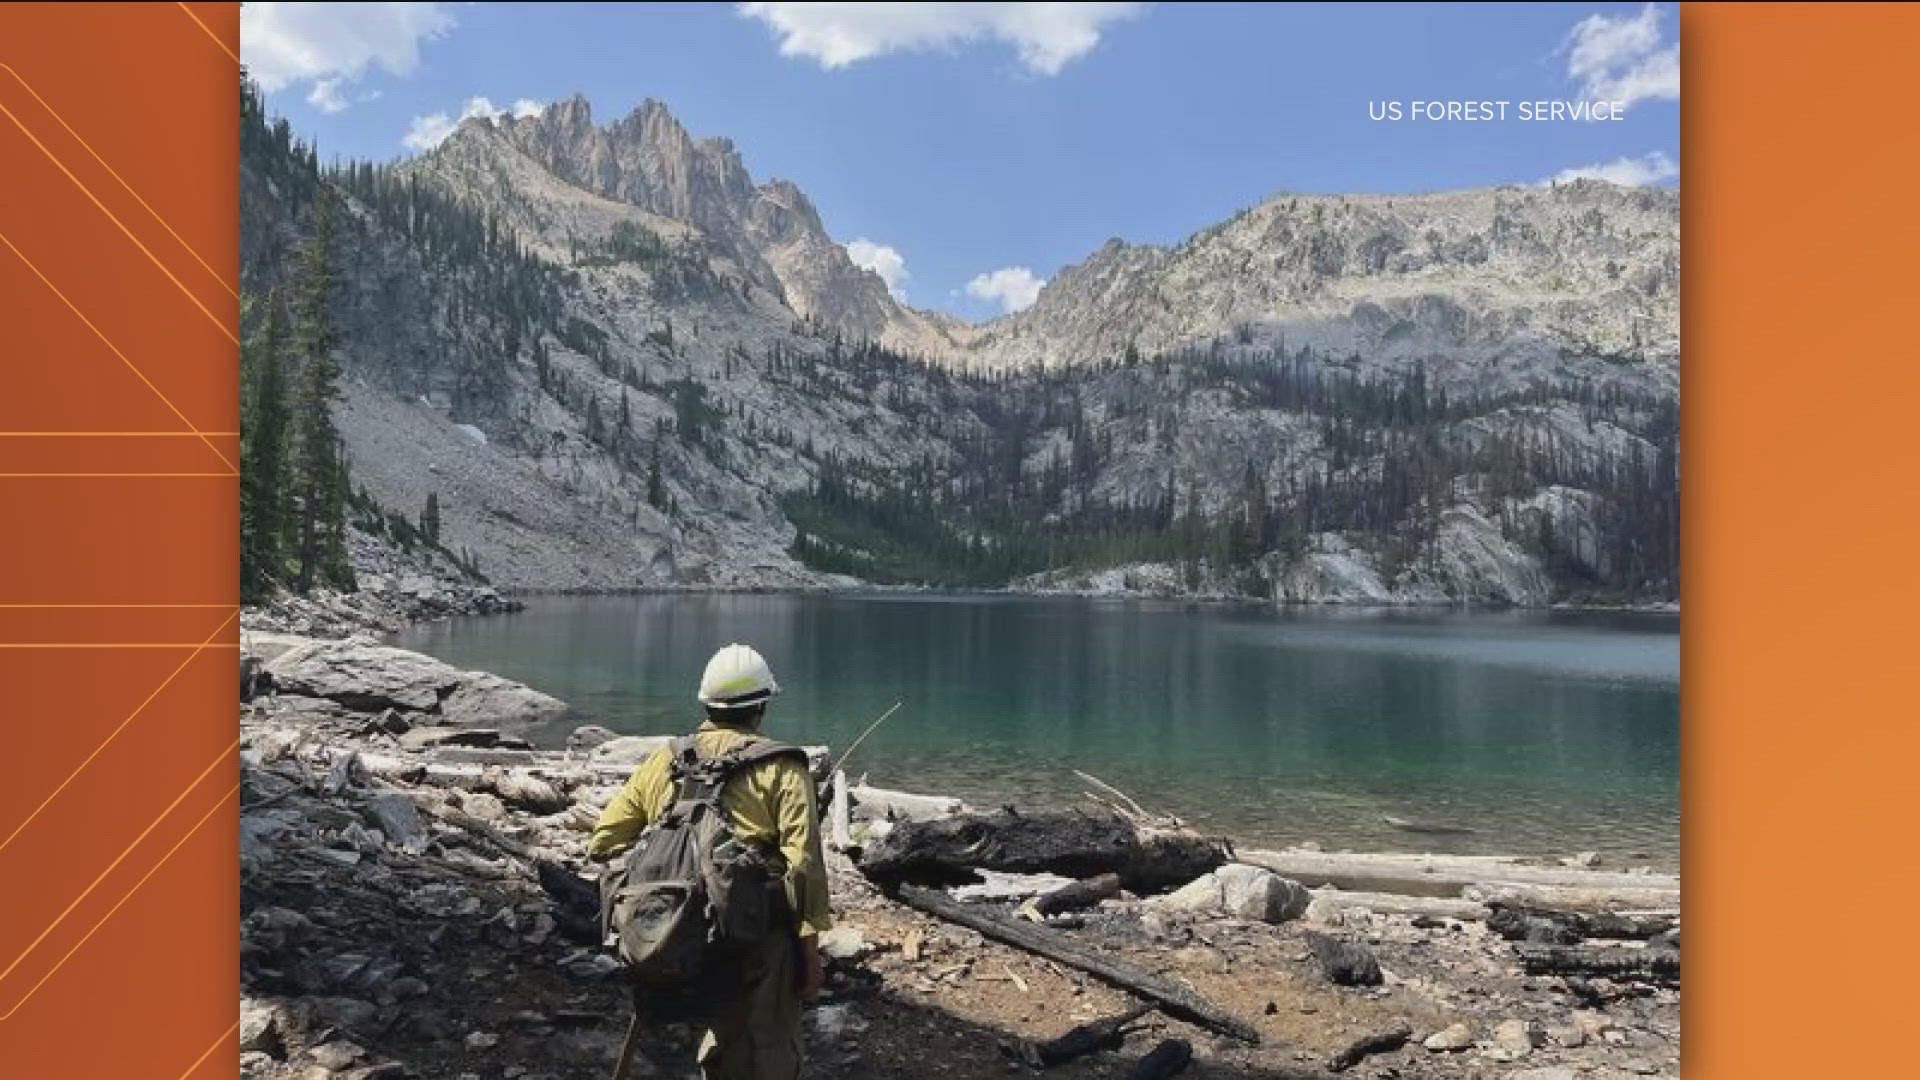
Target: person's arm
x=797 y=825
x=623 y=819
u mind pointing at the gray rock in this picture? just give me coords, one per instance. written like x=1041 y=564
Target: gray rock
x=1240 y=890
x=397 y=816
x=260 y=1027
x=1555 y=1073
x=1518 y=1037
x=256 y=1065
x=481 y=1040
x=1254 y=892
x=337 y=1054
x=588 y=736
x=1458 y=1036
x=373 y=678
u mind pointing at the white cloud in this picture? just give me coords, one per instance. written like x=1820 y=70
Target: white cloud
x=326 y=96
x=1624 y=59
x=427 y=132
x=285 y=43
x=882 y=260
x=1012 y=287
x=1627 y=172
x=1047 y=35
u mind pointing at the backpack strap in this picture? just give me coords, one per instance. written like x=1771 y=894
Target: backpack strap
x=699 y=778
x=761 y=750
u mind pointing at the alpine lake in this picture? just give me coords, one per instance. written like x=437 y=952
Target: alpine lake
x=1542 y=732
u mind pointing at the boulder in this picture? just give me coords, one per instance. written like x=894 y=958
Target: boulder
x=1242 y=891
x=1253 y=892
x=1450 y=1038
x=371 y=678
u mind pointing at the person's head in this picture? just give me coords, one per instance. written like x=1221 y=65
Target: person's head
x=736 y=686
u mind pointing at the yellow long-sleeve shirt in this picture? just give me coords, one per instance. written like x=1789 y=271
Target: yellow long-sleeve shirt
x=771 y=802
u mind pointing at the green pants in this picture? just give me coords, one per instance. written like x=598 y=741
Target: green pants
x=759 y=1038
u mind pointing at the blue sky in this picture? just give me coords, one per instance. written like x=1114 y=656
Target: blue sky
x=993 y=144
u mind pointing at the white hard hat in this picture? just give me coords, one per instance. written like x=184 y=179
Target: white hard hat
x=736 y=677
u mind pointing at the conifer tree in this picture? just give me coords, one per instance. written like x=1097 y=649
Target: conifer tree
x=430 y=517
x=263 y=455
x=319 y=481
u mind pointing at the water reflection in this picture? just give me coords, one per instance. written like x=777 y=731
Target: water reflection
x=1545 y=732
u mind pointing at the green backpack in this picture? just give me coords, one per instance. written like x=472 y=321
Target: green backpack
x=690 y=891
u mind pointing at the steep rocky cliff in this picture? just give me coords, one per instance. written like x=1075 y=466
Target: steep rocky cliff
x=619 y=361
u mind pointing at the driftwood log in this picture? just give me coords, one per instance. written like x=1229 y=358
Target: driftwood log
x=1173 y=1000
x=949 y=850
x=1498 y=877
x=1170 y=1058
x=1087 y=1038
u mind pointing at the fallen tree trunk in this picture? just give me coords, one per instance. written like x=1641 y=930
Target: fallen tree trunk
x=1440 y=907
x=879 y=803
x=948 y=851
x=1448 y=875
x=1172 y=1000
x=1577 y=898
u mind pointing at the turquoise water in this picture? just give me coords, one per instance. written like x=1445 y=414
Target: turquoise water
x=1544 y=732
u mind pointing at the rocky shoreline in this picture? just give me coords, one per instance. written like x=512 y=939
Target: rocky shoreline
x=413 y=905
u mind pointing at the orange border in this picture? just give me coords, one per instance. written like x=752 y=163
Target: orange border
x=1802 y=254
x=118 y=259
x=1802 y=261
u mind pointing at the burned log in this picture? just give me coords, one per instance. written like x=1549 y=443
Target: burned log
x=1086 y=1038
x=1170 y=1058
x=1622 y=965
x=1173 y=1000
x=949 y=850
x=1384 y=1042
x=1520 y=922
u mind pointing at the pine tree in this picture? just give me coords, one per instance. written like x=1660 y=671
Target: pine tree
x=319 y=473
x=430 y=517
x=263 y=456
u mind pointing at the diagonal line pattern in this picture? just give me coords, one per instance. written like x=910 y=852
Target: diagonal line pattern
x=217 y=1043
x=110 y=645
x=122 y=902
x=225 y=755
x=210 y=33
x=88 y=192
x=164 y=683
x=155 y=214
x=116 y=351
